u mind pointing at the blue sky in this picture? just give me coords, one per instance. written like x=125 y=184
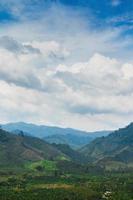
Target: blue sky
x=102 y=10
x=112 y=13
x=67 y=63
x=101 y=14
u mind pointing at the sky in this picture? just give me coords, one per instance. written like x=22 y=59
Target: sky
x=67 y=63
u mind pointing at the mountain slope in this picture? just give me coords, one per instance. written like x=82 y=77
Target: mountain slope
x=117 y=147
x=72 y=154
x=16 y=150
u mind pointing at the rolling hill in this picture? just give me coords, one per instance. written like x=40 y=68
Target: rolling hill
x=17 y=150
x=114 y=149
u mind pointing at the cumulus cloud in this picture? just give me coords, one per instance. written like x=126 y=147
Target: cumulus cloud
x=24 y=63
x=102 y=86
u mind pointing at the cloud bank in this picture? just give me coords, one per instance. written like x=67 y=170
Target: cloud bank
x=62 y=70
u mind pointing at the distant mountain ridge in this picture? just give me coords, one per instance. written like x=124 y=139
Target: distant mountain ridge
x=75 y=141
x=74 y=138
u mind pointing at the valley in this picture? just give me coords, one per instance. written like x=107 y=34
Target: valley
x=31 y=168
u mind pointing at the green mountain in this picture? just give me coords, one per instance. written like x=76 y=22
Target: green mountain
x=17 y=150
x=116 y=149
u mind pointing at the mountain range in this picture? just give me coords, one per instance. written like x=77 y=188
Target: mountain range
x=111 y=152
x=74 y=138
x=17 y=151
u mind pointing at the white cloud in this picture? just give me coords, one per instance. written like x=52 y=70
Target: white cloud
x=81 y=92
x=100 y=86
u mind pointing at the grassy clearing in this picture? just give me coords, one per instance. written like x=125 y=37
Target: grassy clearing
x=62 y=158
x=43 y=165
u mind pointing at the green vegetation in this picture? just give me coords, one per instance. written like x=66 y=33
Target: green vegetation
x=38 y=186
